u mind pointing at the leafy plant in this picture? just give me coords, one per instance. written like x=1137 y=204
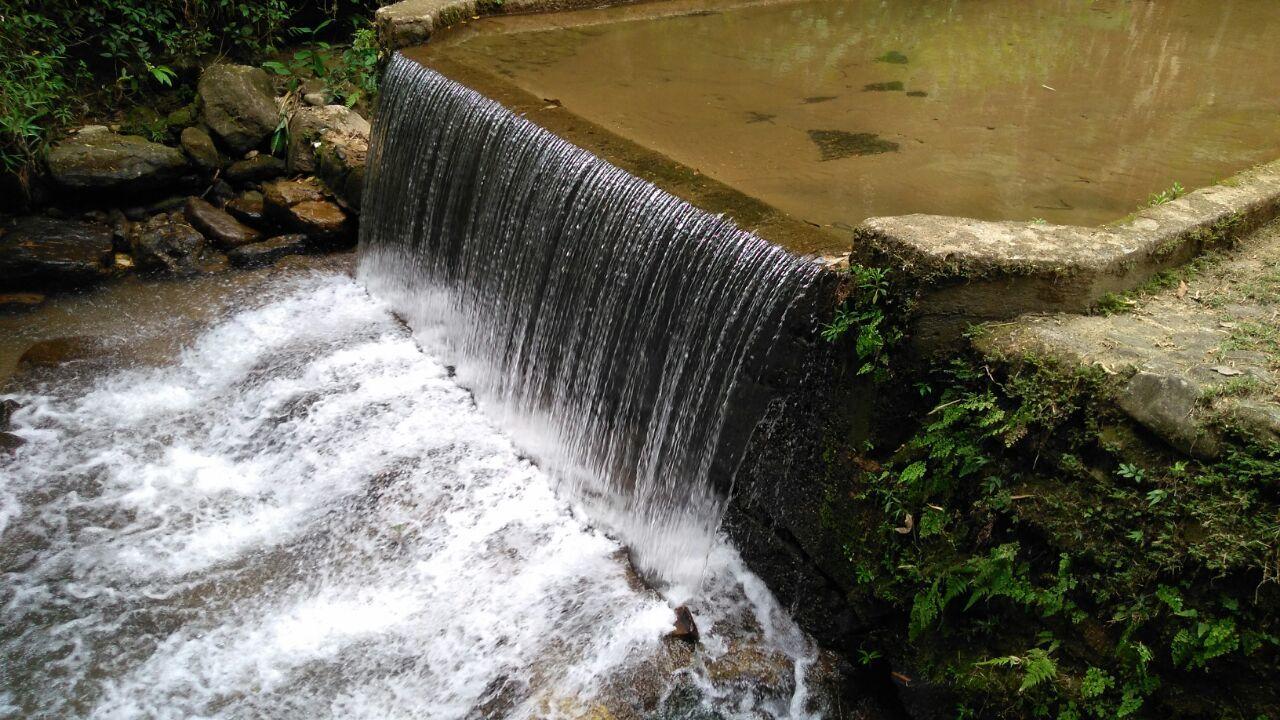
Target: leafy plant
x=864 y=314
x=1169 y=194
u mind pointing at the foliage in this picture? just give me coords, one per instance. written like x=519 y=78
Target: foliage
x=1041 y=567
x=865 y=314
x=1169 y=194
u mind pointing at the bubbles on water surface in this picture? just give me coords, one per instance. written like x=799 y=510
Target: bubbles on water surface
x=304 y=516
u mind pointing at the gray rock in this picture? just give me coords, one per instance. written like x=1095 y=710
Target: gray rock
x=1167 y=406
x=7 y=409
x=309 y=127
x=248 y=207
x=268 y=251
x=107 y=161
x=340 y=162
x=225 y=231
x=41 y=251
x=315 y=99
x=256 y=169
x=199 y=147
x=239 y=105
x=168 y=244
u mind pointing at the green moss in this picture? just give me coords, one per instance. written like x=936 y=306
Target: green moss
x=893 y=57
x=893 y=86
x=838 y=144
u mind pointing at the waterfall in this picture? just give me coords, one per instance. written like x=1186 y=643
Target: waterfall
x=622 y=334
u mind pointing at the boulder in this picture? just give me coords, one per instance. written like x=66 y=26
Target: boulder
x=268 y=251
x=685 y=628
x=9 y=443
x=239 y=105
x=309 y=127
x=322 y=220
x=20 y=302
x=340 y=161
x=199 y=147
x=41 y=251
x=107 y=161
x=225 y=231
x=7 y=409
x=281 y=195
x=248 y=207
x=256 y=169
x=1167 y=405
x=168 y=244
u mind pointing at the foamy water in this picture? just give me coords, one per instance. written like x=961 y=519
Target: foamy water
x=305 y=516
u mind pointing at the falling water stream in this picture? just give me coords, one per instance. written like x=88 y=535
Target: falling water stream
x=318 y=510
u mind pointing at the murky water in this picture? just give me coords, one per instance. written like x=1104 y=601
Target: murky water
x=837 y=110
x=301 y=515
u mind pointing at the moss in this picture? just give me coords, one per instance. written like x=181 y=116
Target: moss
x=893 y=57
x=838 y=144
x=893 y=86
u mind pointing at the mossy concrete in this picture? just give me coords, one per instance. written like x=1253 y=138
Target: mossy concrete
x=965 y=271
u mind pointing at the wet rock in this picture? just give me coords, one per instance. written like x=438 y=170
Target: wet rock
x=256 y=169
x=268 y=251
x=60 y=351
x=239 y=105
x=107 y=161
x=248 y=207
x=9 y=443
x=1167 y=405
x=168 y=244
x=281 y=195
x=685 y=628
x=220 y=192
x=225 y=231
x=340 y=162
x=322 y=220
x=20 y=302
x=7 y=409
x=41 y=251
x=311 y=126
x=753 y=665
x=200 y=149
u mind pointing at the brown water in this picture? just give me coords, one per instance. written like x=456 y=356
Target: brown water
x=1071 y=111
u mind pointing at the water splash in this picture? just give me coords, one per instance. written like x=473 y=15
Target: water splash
x=618 y=331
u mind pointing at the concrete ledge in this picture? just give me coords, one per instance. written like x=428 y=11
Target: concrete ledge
x=413 y=22
x=966 y=271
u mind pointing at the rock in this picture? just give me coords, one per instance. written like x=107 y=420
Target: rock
x=168 y=244
x=685 y=628
x=7 y=409
x=268 y=251
x=184 y=116
x=308 y=127
x=248 y=207
x=107 y=161
x=320 y=219
x=20 y=302
x=217 y=225
x=1166 y=405
x=220 y=192
x=239 y=105
x=9 y=443
x=92 y=130
x=281 y=195
x=315 y=99
x=340 y=161
x=257 y=168
x=199 y=147
x=60 y=351
x=41 y=251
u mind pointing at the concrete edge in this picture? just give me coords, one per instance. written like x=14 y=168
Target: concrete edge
x=414 y=22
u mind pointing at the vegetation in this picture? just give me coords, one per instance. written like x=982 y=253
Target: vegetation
x=62 y=60
x=1041 y=560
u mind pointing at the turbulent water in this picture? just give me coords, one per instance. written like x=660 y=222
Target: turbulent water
x=614 y=328
x=305 y=516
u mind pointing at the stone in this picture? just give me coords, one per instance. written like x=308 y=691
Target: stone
x=281 y=195
x=200 y=149
x=59 y=351
x=268 y=251
x=168 y=244
x=92 y=130
x=685 y=628
x=7 y=409
x=239 y=105
x=320 y=219
x=225 y=231
x=340 y=163
x=40 y=251
x=248 y=207
x=107 y=161
x=220 y=192
x=20 y=302
x=309 y=126
x=9 y=443
x=315 y=99
x=256 y=169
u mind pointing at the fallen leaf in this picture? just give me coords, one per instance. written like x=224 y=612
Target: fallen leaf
x=907 y=526
x=1228 y=371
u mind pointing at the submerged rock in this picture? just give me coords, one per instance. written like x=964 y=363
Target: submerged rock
x=268 y=251
x=239 y=105
x=168 y=244
x=107 y=161
x=60 y=351
x=19 y=302
x=40 y=251
x=225 y=231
